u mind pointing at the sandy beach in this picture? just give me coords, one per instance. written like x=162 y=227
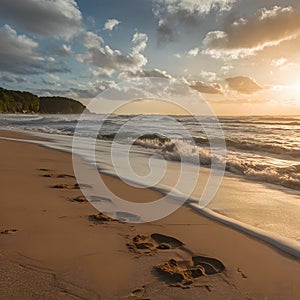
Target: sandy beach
x=55 y=245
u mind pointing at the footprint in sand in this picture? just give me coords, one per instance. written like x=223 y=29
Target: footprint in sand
x=65 y=176
x=149 y=244
x=127 y=217
x=182 y=273
x=80 y=199
x=102 y=219
x=52 y=175
x=121 y=216
x=70 y=186
x=65 y=186
x=138 y=293
x=58 y=176
x=179 y=273
x=99 y=199
x=9 y=231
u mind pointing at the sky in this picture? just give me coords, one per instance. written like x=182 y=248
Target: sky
x=242 y=56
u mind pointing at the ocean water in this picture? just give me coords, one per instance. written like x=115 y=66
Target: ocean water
x=266 y=149
x=262 y=160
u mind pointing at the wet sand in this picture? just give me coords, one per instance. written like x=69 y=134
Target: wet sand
x=55 y=245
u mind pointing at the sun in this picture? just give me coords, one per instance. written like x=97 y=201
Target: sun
x=293 y=91
x=295 y=86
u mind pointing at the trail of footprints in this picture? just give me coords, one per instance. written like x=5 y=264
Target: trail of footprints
x=175 y=272
x=75 y=186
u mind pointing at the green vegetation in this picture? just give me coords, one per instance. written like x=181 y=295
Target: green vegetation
x=18 y=102
x=25 y=102
x=60 y=105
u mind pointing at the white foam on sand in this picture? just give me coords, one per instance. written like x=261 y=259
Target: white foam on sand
x=289 y=246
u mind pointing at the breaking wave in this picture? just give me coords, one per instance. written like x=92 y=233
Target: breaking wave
x=287 y=176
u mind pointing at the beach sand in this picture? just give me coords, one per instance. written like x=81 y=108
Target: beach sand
x=53 y=247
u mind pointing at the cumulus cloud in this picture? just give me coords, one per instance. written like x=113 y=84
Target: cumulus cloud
x=245 y=37
x=193 y=52
x=55 y=18
x=92 y=89
x=244 y=85
x=208 y=76
x=140 y=40
x=103 y=57
x=206 y=88
x=18 y=54
x=174 y=15
x=111 y=24
x=110 y=59
x=92 y=40
x=18 y=45
x=100 y=73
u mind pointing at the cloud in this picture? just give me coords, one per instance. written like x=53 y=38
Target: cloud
x=92 y=90
x=193 y=52
x=92 y=40
x=50 y=83
x=140 y=39
x=59 y=50
x=100 y=73
x=18 y=45
x=175 y=15
x=10 y=78
x=244 y=85
x=55 y=18
x=76 y=90
x=145 y=73
x=282 y=63
x=278 y=62
x=50 y=92
x=111 y=24
x=18 y=54
x=103 y=57
x=211 y=88
x=208 y=76
x=245 y=37
x=54 y=77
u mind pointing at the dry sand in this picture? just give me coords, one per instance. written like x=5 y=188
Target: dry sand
x=54 y=245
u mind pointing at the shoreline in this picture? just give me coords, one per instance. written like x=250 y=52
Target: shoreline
x=253 y=268
x=286 y=245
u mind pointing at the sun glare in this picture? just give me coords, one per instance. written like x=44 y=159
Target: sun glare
x=293 y=91
x=295 y=86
